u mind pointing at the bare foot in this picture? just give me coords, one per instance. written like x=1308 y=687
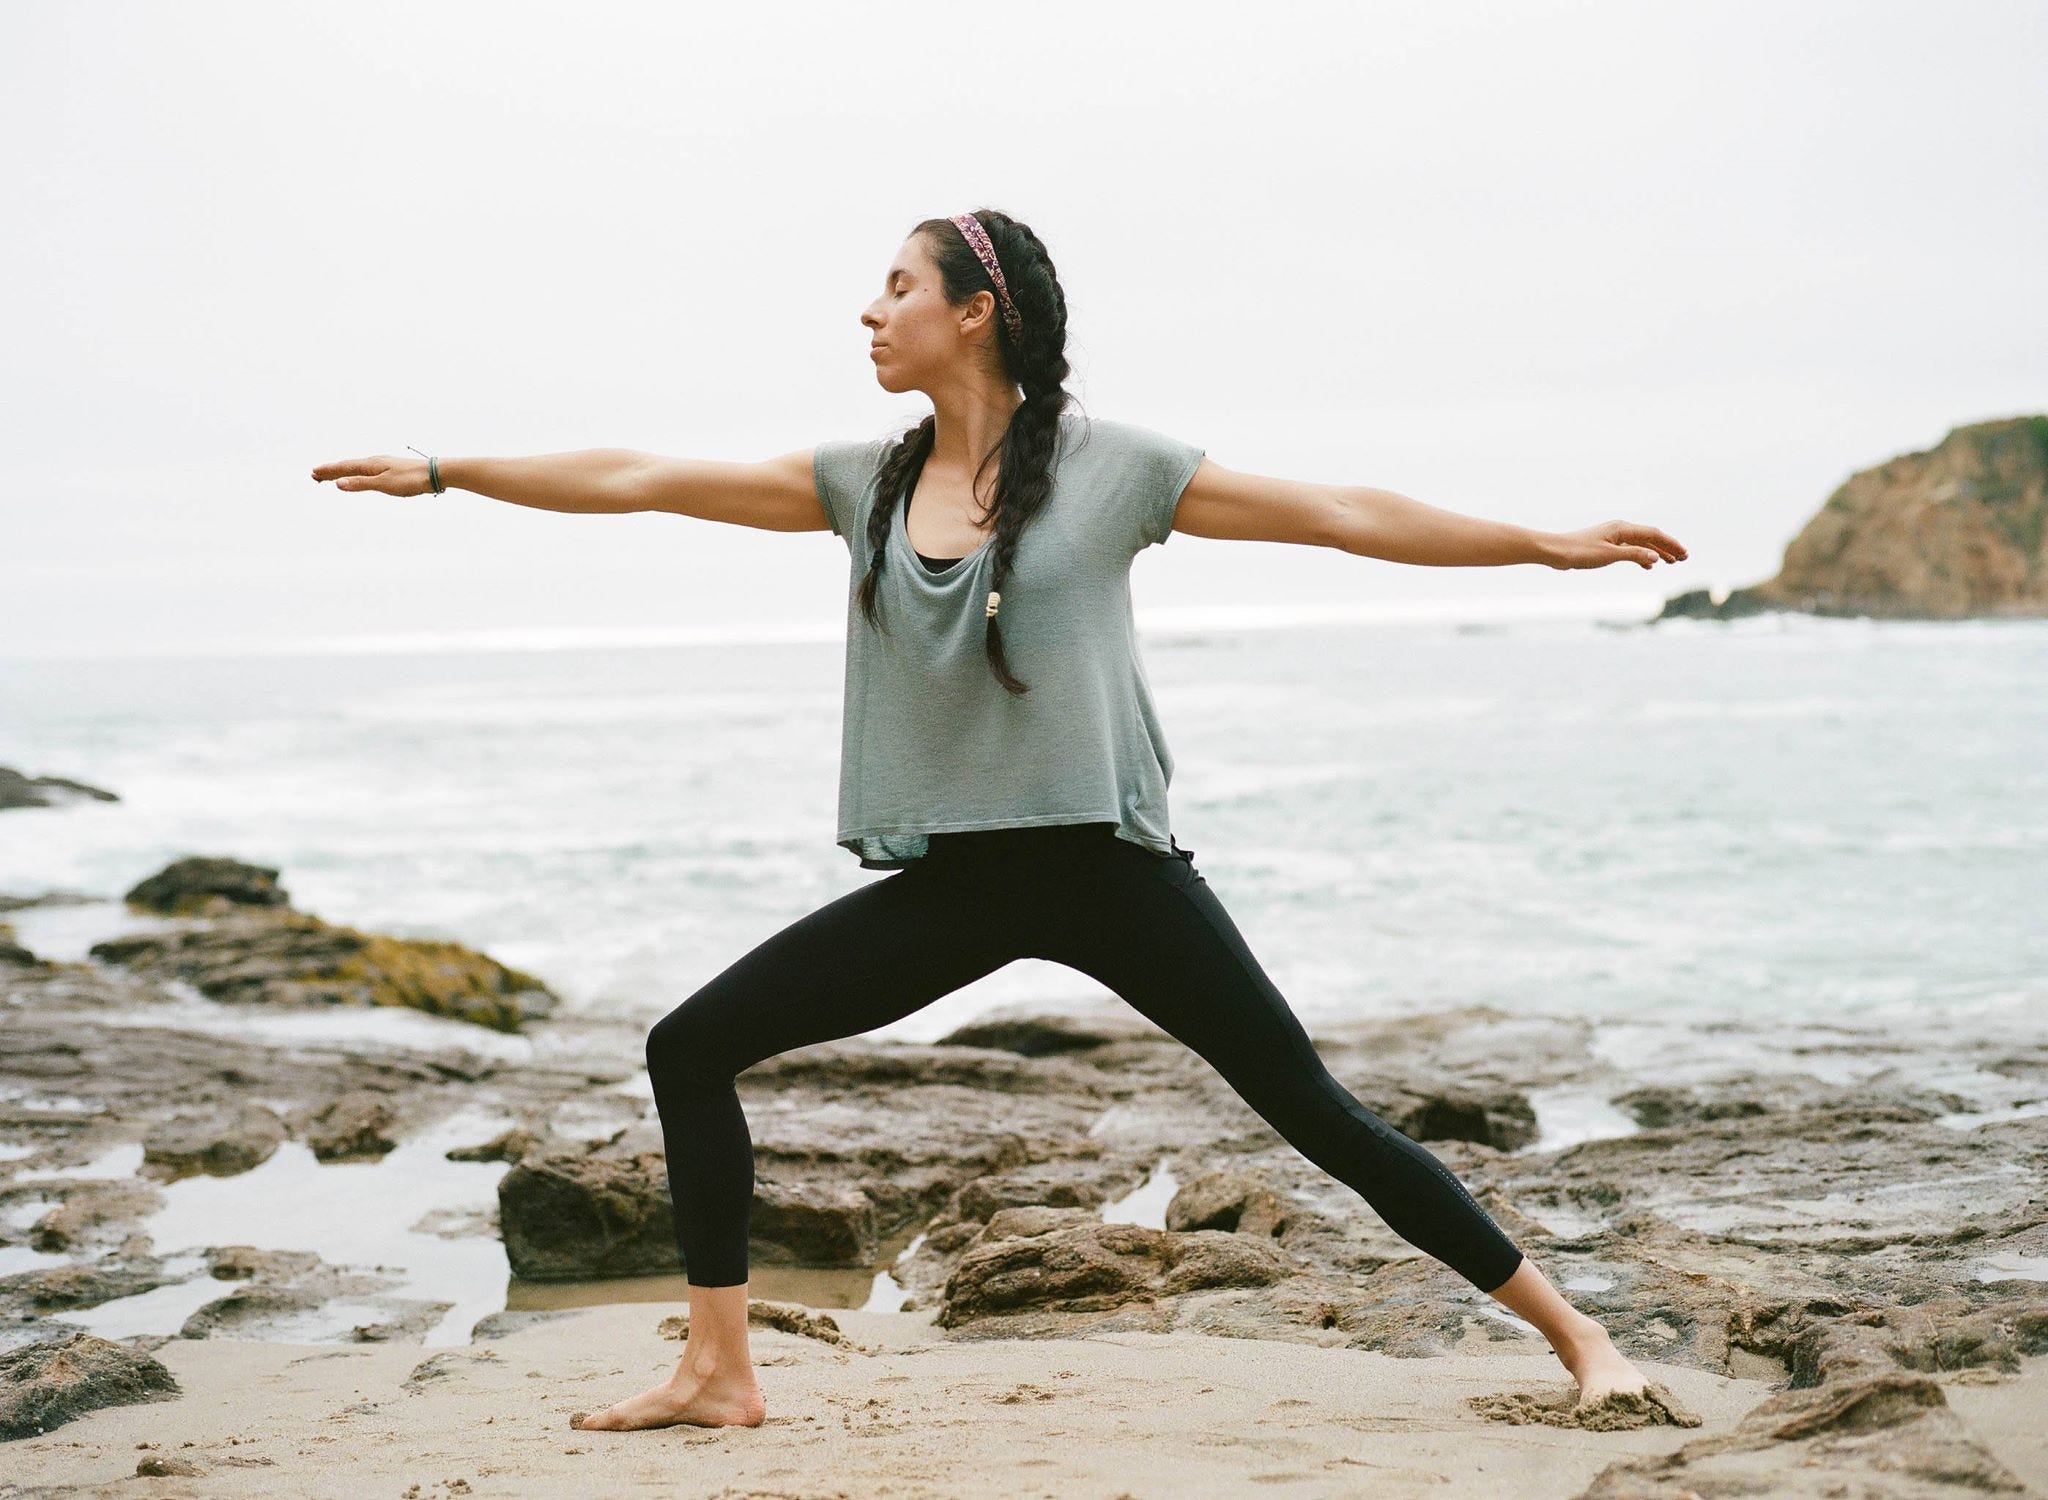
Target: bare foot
x=1600 y=1369
x=714 y=1401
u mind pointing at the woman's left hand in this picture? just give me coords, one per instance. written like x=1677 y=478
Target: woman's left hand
x=1612 y=542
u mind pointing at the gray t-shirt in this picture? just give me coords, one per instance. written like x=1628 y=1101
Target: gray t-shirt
x=931 y=742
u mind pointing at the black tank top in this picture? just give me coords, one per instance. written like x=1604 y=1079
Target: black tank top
x=932 y=564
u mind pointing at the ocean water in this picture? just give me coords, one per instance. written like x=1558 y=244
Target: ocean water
x=1770 y=821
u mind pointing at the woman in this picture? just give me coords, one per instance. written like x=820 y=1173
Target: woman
x=1001 y=756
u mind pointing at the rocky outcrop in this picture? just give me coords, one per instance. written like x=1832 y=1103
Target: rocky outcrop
x=242 y=943
x=1955 y=532
x=18 y=790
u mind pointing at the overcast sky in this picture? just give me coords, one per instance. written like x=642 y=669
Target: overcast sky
x=1553 y=263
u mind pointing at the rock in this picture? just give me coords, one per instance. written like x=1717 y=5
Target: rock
x=507 y=1146
x=1079 y=1267
x=789 y=1317
x=567 y=1217
x=356 y=1127
x=1235 y=1202
x=47 y=1383
x=1052 y=1184
x=18 y=790
x=163 y=1466
x=49 y=898
x=812 y=1224
x=246 y=1262
x=202 y=885
x=12 y=953
x=285 y=957
x=1954 y=532
x=1036 y=1034
x=297 y=1311
x=853 y=1065
x=1502 y=1118
x=55 y=1288
x=94 y=1212
x=220 y=1143
x=499 y=1324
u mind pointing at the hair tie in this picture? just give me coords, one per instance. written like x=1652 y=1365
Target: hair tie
x=977 y=237
x=994 y=599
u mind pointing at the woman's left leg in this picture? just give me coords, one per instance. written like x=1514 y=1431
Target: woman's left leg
x=1149 y=928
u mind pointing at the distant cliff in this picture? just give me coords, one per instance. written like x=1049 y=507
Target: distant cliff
x=1949 y=534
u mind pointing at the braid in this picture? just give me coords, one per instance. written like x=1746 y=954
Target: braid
x=1036 y=359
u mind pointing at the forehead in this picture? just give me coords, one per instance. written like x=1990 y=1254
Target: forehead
x=914 y=259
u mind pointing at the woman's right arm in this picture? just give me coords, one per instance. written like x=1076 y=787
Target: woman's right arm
x=776 y=494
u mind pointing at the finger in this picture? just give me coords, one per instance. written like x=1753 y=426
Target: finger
x=1667 y=547
x=350 y=466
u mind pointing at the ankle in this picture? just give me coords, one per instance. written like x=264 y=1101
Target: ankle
x=711 y=1369
x=1578 y=1334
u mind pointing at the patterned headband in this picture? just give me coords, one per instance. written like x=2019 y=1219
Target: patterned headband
x=976 y=236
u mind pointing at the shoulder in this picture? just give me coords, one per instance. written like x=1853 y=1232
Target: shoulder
x=1128 y=442
x=1137 y=449
x=843 y=470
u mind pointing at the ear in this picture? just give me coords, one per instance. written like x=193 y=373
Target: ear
x=980 y=308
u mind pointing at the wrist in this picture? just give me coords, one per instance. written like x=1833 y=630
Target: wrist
x=1546 y=547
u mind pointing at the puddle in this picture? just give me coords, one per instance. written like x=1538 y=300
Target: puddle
x=887 y=1295
x=1507 y=1317
x=352 y=1214
x=70 y=1104
x=22 y=1213
x=1146 y=1203
x=1971 y=1119
x=1568 y=1115
x=115 y=1162
x=2010 y=1265
x=15 y=1259
x=66 y=933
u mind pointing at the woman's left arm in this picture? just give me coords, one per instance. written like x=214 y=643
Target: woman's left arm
x=1228 y=505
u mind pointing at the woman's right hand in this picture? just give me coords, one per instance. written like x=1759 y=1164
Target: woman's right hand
x=387 y=475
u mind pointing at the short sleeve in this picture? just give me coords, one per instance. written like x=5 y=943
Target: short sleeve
x=1165 y=466
x=843 y=473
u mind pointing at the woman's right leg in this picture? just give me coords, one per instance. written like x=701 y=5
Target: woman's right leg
x=874 y=955
x=871 y=957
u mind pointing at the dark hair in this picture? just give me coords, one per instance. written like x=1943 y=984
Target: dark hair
x=1035 y=358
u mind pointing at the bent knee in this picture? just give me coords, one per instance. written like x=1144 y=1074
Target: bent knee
x=683 y=1042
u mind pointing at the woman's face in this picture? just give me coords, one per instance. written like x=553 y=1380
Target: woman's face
x=916 y=333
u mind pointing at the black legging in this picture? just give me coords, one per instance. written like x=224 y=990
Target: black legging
x=1146 y=925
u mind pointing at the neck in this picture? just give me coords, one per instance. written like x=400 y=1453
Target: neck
x=968 y=423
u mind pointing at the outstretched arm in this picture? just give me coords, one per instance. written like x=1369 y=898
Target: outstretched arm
x=1223 y=503
x=776 y=494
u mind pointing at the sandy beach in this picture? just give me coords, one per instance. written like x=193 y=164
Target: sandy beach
x=897 y=1410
